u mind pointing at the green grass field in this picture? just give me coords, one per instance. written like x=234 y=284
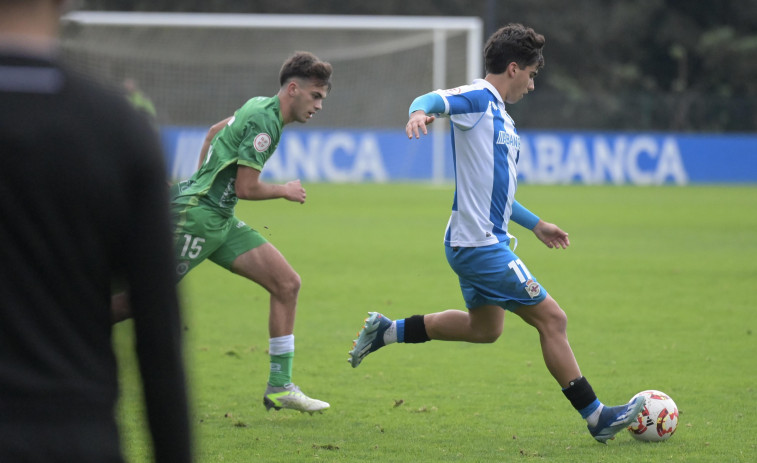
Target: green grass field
x=659 y=285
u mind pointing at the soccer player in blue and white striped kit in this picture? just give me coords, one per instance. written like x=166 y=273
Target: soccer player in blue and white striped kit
x=485 y=147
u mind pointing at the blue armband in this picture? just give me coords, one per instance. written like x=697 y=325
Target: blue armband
x=430 y=103
x=523 y=216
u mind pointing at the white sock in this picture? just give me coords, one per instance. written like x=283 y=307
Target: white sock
x=281 y=345
x=592 y=419
x=390 y=335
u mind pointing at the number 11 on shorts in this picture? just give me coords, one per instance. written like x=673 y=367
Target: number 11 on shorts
x=520 y=269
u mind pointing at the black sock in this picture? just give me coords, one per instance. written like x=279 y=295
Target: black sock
x=415 y=330
x=580 y=393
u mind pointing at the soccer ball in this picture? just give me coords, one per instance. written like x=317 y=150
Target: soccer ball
x=659 y=419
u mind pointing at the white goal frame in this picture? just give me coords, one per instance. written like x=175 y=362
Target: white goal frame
x=438 y=25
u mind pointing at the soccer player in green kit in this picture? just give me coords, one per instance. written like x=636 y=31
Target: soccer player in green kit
x=230 y=170
x=232 y=158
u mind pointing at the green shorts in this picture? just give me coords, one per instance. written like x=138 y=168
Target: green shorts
x=202 y=233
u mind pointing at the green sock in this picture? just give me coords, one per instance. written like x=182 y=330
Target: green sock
x=281 y=369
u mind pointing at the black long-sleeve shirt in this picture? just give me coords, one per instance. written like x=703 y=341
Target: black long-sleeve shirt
x=83 y=206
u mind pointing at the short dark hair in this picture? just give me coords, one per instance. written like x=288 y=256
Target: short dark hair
x=513 y=42
x=306 y=65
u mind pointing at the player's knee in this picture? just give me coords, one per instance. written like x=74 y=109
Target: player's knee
x=488 y=335
x=290 y=286
x=547 y=317
x=296 y=283
x=556 y=321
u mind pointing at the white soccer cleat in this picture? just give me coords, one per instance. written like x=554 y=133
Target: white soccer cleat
x=291 y=397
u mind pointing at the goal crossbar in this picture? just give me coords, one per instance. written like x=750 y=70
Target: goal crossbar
x=276 y=21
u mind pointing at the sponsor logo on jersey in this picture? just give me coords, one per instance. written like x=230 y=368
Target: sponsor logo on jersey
x=533 y=289
x=504 y=138
x=262 y=142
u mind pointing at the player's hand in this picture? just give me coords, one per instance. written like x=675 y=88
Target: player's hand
x=551 y=235
x=295 y=191
x=417 y=124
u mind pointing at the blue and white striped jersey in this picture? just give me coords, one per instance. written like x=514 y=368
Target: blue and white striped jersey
x=485 y=149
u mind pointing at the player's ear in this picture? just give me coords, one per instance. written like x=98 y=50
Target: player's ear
x=511 y=68
x=292 y=88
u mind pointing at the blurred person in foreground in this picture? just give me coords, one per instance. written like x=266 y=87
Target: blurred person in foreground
x=493 y=279
x=83 y=208
x=232 y=158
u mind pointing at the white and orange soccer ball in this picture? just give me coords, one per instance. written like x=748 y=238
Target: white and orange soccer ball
x=659 y=419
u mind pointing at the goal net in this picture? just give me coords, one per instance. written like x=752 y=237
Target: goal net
x=199 y=68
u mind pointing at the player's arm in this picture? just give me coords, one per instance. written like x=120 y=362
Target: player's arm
x=549 y=233
x=420 y=108
x=249 y=186
x=523 y=216
x=212 y=132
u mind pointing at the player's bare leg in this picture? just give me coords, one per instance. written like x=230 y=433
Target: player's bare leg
x=551 y=323
x=484 y=324
x=480 y=325
x=266 y=266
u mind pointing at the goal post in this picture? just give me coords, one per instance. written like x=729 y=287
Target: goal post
x=199 y=67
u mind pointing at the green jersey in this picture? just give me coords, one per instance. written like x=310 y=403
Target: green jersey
x=249 y=139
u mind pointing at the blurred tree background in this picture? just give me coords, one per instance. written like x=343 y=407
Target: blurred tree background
x=652 y=65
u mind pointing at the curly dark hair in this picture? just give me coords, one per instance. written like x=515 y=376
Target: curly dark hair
x=306 y=65
x=513 y=42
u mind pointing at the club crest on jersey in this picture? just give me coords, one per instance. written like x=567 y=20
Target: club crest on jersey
x=262 y=142
x=452 y=91
x=533 y=289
